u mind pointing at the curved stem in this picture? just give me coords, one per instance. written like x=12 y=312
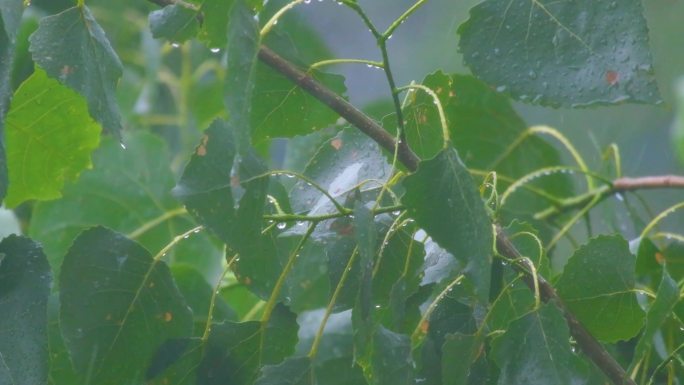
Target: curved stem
x=318 y=218
x=212 y=300
x=274 y=19
x=442 y=117
x=421 y=329
x=145 y=227
x=400 y=20
x=328 y=62
x=660 y=217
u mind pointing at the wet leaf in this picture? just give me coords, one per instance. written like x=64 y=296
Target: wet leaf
x=236 y=351
x=535 y=350
x=50 y=137
x=292 y=371
x=25 y=281
x=439 y=196
x=597 y=285
x=175 y=23
x=118 y=306
x=72 y=48
x=572 y=53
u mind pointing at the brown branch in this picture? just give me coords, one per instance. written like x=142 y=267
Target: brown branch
x=345 y=109
x=617 y=186
x=587 y=343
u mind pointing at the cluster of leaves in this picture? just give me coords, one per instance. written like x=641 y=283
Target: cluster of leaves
x=335 y=264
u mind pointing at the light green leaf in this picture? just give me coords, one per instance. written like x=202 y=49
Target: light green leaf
x=214 y=31
x=25 y=281
x=128 y=191
x=535 y=350
x=72 y=48
x=118 y=306
x=597 y=285
x=443 y=199
x=568 y=53
x=49 y=137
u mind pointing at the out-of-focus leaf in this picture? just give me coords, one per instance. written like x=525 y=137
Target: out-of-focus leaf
x=118 y=306
x=661 y=308
x=562 y=53
x=72 y=48
x=443 y=199
x=214 y=30
x=535 y=350
x=49 y=137
x=128 y=191
x=236 y=351
x=678 y=126
x=10 y=20
x=25 y=281
x=597 y=285
x=174 y=22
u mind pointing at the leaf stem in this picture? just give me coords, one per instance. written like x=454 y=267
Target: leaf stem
x=442 y=117
x=318 y=218
x=274 y=19
x=328 y=62
x=421 y=328
x=331 y=304
x=214 y=294
x=401 y=19
x=145 y=227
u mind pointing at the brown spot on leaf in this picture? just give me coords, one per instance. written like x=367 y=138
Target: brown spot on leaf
x=202 y=148
x=612 y=77
x=168 y=316
x=424 y=326
x=247 y=281
x=660 y=258
x=336 y=143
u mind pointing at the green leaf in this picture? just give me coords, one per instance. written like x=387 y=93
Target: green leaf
x=206 y=190
x=118 y=306
x=243 y=47
x=175 y=362
x=197 y=293
x=49 y=136
x=236 y=351
x=214 y=30
x=10 y=16
x=73 y=48
x=174 y=22
x=443 y=199
x=661 y=308
x=535 y=350
x=128 y=191
x=561 y=53
x=597 y=285
x=391 y=361
x=24 y=289
x=292 y=371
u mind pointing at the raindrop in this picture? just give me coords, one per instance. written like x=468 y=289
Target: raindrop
x=532 y=74
x=123 y=146
x=281 y=225
x=501 y=89
x=215 y=50
x=620 y=197
x=175 y=45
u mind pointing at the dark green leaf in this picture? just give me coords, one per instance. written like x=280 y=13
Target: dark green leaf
x=128 y=191
x=175 y=362
x=443 y=199
x=73 y=48
x=236 y=351
x=61 y=370
x=118 y=306
x=535 y=350
x=49 y=136
x=174 y=22
x=391 y=361
x=25 y=281
x=197 y=293
x=562 y=53
x=661 y=308
x=243 y=47
x=458 y=353
x=597 y=285
x=292 y=371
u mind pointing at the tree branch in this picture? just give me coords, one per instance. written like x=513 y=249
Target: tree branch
x=587 y=343
x=616 y=187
